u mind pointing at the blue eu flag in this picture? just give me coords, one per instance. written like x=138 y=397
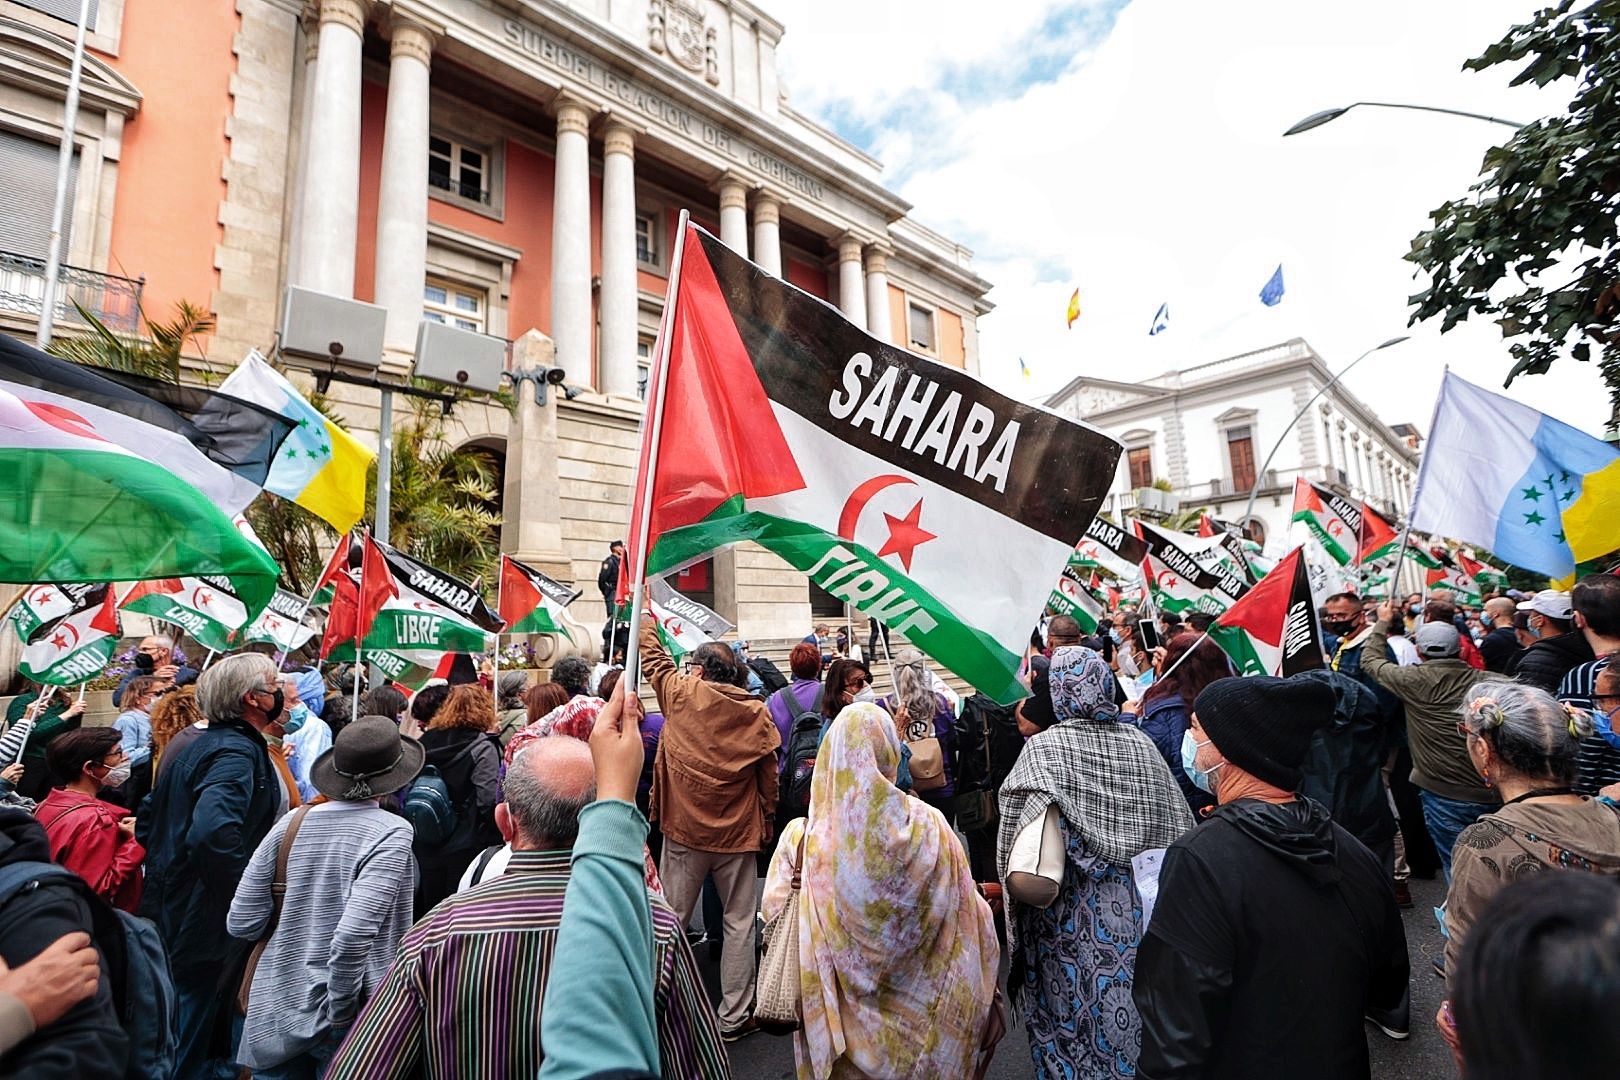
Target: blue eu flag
x=1272 y=294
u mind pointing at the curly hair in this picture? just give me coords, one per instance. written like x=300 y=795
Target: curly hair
x=573 y=674
x=468 y=706
x=172 y=713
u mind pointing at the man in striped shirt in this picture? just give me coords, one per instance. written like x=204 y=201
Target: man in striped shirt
x=1596 y=600
x=465 y=994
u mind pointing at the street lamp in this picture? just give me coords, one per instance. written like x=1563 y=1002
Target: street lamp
x=1317 y=119
x=1260 y=476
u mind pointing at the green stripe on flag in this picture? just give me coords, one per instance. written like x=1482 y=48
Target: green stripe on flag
x=851 y=572
x=1237 y=644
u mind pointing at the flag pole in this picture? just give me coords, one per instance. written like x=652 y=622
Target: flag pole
x=210 y=659
x=359 y=638
x=495 y=662
x=652 y=432
x=1166 y=673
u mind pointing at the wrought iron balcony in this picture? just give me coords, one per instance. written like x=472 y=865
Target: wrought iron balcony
x=114 y=300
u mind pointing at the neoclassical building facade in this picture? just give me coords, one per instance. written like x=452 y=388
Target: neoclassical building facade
x=512 y=167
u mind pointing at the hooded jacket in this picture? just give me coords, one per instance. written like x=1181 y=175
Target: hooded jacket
x=87 y=1040
x=1517 y=841
x=1344 y=766
x=714 y=777
x=1274 y=933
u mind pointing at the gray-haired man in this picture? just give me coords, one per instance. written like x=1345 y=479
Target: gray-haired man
x=200 y=826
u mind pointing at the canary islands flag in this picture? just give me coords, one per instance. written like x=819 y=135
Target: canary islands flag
x=1535 y=491
x=1074 y=308
x=320 y=467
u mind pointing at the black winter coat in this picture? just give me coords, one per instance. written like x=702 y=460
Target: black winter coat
x=87 y=1041
x=1546 y=662
x=1344 y=766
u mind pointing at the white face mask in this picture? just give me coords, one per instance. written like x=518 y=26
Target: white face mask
x=866 y=694
x=116 y=777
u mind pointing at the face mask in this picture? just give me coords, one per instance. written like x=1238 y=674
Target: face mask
x=274 y=710
x=1340 y=627
x=295 y=718
x=1485 y=621
x=1201 y=779
x=1415 y=610
x=1534 y=630
x=1603 y=724
x=1118 y=636
x=865 y=694
x=116 y=778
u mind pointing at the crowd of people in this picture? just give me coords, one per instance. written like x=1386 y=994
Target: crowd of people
x=1181 y=873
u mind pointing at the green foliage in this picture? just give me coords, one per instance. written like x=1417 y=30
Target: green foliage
x=156 y=355
x=443 y=501
x=1548 y=197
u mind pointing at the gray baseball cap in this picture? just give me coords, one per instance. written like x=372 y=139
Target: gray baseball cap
x=1437 y=641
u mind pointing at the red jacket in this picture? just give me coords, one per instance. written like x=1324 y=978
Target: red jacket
x=84 y=837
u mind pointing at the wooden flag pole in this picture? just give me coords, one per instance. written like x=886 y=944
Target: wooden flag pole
x=651 y=435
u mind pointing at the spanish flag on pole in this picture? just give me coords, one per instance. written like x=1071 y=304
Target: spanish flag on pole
x=1074 y=308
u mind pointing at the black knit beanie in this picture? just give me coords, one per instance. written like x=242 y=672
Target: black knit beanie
x=1263 y=725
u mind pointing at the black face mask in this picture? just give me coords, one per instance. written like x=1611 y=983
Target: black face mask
x=1339 y=627
x=274 y=711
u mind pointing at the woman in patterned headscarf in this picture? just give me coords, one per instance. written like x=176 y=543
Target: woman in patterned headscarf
x=897 y=950
x=1072 y=962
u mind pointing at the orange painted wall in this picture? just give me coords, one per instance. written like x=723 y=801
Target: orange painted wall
x=526 y=225
x=166 y=217
x=898 y=334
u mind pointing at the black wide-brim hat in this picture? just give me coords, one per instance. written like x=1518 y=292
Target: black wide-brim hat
x=368 y=758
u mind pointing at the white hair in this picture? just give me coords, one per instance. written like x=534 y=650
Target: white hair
x=221 y=688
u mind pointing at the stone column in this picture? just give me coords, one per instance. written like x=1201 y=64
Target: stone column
x=402 y=192
x=331 y=195
x=851 y=283
x=616 y=345
x=767 y=234
x=531 y=528
x=571 y=241
x=734 y=214
x=878 y=323
x=1327 y=440
x=295 y=213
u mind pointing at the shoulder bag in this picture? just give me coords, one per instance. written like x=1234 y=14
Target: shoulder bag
x=778 y=1004
x=278 y=889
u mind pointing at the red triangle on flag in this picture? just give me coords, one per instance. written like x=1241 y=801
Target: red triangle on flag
x=1305 y=497
x=1278 y=613
x=1376 y=533
x=518 y=595
x=106 y=620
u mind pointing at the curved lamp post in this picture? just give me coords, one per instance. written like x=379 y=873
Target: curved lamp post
x=1316 y=120
x=1260 y=476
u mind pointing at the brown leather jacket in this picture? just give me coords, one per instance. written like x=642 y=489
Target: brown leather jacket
x=714 y=778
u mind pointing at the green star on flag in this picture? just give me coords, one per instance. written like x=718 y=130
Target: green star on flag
x=1533 y=493
x=1533 y=518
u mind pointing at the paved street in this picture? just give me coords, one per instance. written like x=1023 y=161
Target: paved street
x=1422 y=1057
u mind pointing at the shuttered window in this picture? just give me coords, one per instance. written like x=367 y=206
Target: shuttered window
x=29 y=167
x=66 y=10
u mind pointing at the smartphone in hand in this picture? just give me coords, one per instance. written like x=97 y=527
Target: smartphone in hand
x=1149 y=631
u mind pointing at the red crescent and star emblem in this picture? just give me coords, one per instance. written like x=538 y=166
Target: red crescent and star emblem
x=60 y=639
x=42 y=595
x=1168 y=580
x=201 y=598
x=1335 y=527
x=905 y=534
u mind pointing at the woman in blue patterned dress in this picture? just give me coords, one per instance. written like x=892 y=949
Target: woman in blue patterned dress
x=1072 y=962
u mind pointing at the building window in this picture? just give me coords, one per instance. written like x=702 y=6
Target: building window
x=1240 y=452
x=920 y=327
x=647 y=239
x=66 y=10
x=1140 y=461
x=455 y=305
x=644 y=348
x=461 y=170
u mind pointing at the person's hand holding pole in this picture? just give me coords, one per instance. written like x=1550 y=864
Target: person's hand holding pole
x=616 y=747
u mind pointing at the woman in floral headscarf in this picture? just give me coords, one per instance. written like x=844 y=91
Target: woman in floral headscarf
x=1072 y=962
x=897 y=950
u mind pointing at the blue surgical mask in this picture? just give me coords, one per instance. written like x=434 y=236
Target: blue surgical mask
x=1603 y=722
x=1202 y=780
x=1118 y=636
x=295 y=718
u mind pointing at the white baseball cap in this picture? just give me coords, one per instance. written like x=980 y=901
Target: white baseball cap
x=1551 y=603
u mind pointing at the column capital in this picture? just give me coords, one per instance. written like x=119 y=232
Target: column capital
x=849 y=247
x=573 y=114
x=767 y=207
x=733 y=191
x=877 y=257
x=350 y=13
x=618 y=137
x=411 y=38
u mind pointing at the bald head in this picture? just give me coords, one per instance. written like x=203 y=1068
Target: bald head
x=1500 y=609
x=547 y=785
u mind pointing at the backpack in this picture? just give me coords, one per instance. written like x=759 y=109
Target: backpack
x=804 y=739
x=137 y=967
x=768 y=673
x=427 y=805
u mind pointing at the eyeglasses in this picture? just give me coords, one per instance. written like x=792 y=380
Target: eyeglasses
x=856 y=682
x=1465 y=731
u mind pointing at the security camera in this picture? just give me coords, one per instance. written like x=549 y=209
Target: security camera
x=555 y=376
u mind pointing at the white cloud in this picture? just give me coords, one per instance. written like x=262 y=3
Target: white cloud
x=1149 y=166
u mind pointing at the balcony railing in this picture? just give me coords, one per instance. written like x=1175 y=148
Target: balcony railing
x=114 y=300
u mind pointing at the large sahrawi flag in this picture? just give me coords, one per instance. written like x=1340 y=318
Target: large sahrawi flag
x=1334 y=520
x=426 y=610
x=683 y=623
x=1072 y=598
x=1183 y=575
x=206 y=608
x=75 y=647
x=531 y=602
x=287 y=622
x=1272 y=629
x=932 y=503
x=78 y=505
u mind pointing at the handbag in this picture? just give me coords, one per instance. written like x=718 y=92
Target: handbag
x=978 y=811
x=278 y=889
x=995 y=1029
x=779 y=1001
x=927 y=756
x=1035 y=863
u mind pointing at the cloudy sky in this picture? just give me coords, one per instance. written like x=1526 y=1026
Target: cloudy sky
x=1134 y=150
